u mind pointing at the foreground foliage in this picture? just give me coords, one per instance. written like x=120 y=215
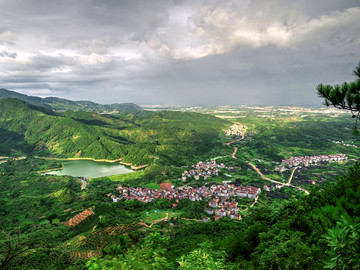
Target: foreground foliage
x=294 y=236
x=345 y=96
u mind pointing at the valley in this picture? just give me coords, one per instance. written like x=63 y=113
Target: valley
x=185 y=200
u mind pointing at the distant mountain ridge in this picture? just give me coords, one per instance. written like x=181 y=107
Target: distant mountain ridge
x=59 y=104
x=135 y=137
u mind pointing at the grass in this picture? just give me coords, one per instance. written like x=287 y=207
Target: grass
x=125 y=176
x=152 y=186
x=56 y=221
x=152 y=215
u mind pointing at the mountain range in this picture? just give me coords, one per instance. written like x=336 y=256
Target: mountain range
x=60 y=104
x=140 y=137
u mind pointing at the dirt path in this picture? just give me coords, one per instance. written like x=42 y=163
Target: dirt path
x=83 y=185
x=233 y=154
x=156 y=221
x=263 y=176
x=292 y=174
x=277 y=182
x=247 y=208
x=235 y=148
x=256 y=200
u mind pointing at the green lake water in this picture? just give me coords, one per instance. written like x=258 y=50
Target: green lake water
x=90 y=169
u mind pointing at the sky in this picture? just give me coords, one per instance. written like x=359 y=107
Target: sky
x=253 y=52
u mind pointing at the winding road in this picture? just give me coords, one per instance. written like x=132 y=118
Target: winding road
x=277 y=182
x=156 y=221
x=235 y=148
x=292 y=174
x=242 y=136
x=263 y=176
x=258 y=171
x=234 y=153
x=83 y=185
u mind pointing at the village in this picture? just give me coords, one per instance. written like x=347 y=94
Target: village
x=345 y=144
x=309 y=160
x=220 y=197
x=204 y=169
x=235 y=130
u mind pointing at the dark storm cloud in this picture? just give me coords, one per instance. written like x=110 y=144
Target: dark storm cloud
x=4 y=53
x=195 y=52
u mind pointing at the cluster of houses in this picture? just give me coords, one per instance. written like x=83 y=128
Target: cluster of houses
x=148 y=195
x=221 y=206
x=236 y=130
x=346 y=144
x=217 y=195
x=204 y=169
x=308 y=160
x=272 y=187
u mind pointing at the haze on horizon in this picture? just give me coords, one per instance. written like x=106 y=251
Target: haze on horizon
x=179 y=51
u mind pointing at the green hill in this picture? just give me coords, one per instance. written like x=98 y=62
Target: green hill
x=139 y=138
x=29 y=99
x=60 y=104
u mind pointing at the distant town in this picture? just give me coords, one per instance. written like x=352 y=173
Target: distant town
x=308 y=160
x=235 y=130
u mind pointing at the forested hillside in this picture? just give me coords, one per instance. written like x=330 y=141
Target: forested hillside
x=55 y=103
x=318 y=230
x=139 y=138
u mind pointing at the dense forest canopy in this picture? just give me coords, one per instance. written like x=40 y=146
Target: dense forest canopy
x=55 y=103
x=138 y=138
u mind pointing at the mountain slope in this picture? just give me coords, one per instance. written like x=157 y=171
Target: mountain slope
x=4 y=93
x=177 y=137
x=65 y=104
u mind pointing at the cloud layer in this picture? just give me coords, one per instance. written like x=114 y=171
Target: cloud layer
x=184 y=52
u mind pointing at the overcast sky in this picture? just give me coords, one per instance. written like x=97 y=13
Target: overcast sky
x=178 y=51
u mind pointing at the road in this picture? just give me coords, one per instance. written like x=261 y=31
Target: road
x=292 y=174
x=235 y=148
x=263 y=176
x=83 y=185
x=233 y=154
x=277 y=182
x=156 y=221
x=6 y=159
x=242 y=136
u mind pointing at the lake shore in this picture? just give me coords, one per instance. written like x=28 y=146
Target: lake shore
x=132 y=166
x=51 y=170
x=97 y=160
x=82 y=158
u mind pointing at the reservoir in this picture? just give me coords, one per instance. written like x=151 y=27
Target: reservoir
x=90 y=169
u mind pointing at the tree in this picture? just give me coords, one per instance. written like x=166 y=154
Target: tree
x=344 y=245
x=356 y=71
x=11 y=247
x=345 y=96
x=199 y=259
x=149 y=255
